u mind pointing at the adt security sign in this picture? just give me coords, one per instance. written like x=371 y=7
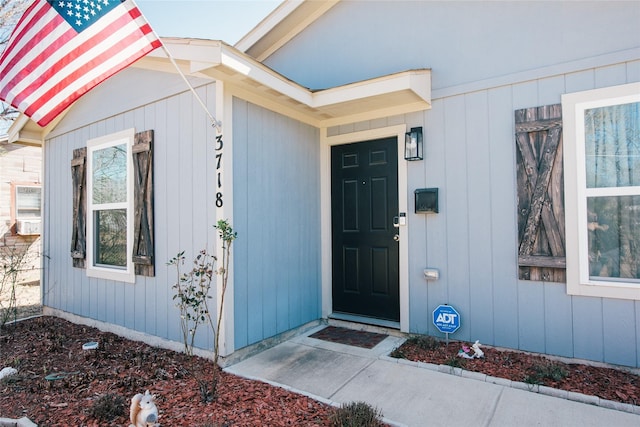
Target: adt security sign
x=446 y=319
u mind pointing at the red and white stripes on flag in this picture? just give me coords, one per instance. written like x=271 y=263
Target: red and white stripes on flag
x=61 y=49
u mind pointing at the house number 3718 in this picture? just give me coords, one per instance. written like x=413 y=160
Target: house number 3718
x=219 y=147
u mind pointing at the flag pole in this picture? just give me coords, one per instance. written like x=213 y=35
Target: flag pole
x=215 y=123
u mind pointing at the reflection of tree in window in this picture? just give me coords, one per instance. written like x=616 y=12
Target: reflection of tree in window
x=110 y=175
x=612 y=148
x=109 y=179
x=111 y=237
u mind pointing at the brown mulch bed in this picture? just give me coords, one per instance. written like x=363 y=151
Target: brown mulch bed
x=121 y=368
x=607 y=383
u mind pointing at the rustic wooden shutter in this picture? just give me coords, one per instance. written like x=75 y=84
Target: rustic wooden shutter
x=541 y=253
x=143 y=243
x=78 y=237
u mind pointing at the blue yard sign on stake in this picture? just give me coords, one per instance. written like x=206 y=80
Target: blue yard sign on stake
x=446 y=319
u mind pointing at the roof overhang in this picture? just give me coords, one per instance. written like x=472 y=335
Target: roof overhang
x=392 y=94
x=243 y=76
x=25 y=131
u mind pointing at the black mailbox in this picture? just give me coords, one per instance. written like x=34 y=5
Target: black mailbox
x=426 y=200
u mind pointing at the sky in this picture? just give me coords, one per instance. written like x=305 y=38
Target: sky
x=228 y=20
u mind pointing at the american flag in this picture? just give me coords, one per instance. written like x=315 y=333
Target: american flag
x=61 y=49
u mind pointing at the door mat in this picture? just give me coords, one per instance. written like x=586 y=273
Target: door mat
x=346 y=336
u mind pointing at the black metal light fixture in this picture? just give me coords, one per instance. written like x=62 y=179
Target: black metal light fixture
x=413 y=144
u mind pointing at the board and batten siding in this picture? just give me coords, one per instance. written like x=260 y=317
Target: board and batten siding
x=184 y=189
x=276 y=189
x=470 y=155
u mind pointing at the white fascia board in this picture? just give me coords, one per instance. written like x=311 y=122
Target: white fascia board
x=248 y=67
x=16 y=127
x=193 y=50
x=267 y=24
x=24 y=131
x=375 y=114
x=419 y=83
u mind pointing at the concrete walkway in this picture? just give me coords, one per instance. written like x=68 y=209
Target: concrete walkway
x=414 y=394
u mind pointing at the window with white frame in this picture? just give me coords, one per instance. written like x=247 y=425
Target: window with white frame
x=110 y=207
x=602 y=191
x=28 y=201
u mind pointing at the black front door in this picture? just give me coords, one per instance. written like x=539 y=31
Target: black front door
x=364 y=197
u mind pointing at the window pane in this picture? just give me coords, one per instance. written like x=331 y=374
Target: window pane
x=28 y=202
x=110 y=237
x=110 y=174
x=612 y=145
x=614 y=236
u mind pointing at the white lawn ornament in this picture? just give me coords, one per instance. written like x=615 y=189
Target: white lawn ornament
x=143 y=412
x=477 y=353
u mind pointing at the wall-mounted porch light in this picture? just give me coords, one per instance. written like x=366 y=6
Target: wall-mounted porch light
x=413 y=144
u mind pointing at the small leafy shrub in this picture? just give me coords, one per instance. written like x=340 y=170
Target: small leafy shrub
x=356 y=414
x=192 y=294
x=546 y=371
x=108 y=407
x=12 y=259
x=455 y=362
x=397 y=353
x=424 y=342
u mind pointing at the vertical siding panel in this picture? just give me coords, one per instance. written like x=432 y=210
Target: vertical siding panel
x=417 y=235
x=437 y=245
x=457 y=211
x=171 y=145
x=611 y=76
x=53 y=235
x=200 y=163
x=209 y=95
x=294 y=173
x=68 y=293
x=311 y=239
x=480 y=231
x=531 y=314
x=240 y=218
x=587 y=328
x=583 y=80
x=156 y=120
x=525 y=95
x=272 y=211
x=633 y=71
x=558 y=322
x=54 y=258
x=198 y=190
x=549 y=90
x=503 y=218
x=282 y=274
x=619 y=331
x=85 y=283
x=257 y=201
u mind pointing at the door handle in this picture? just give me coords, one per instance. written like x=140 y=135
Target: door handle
x=396 y=237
